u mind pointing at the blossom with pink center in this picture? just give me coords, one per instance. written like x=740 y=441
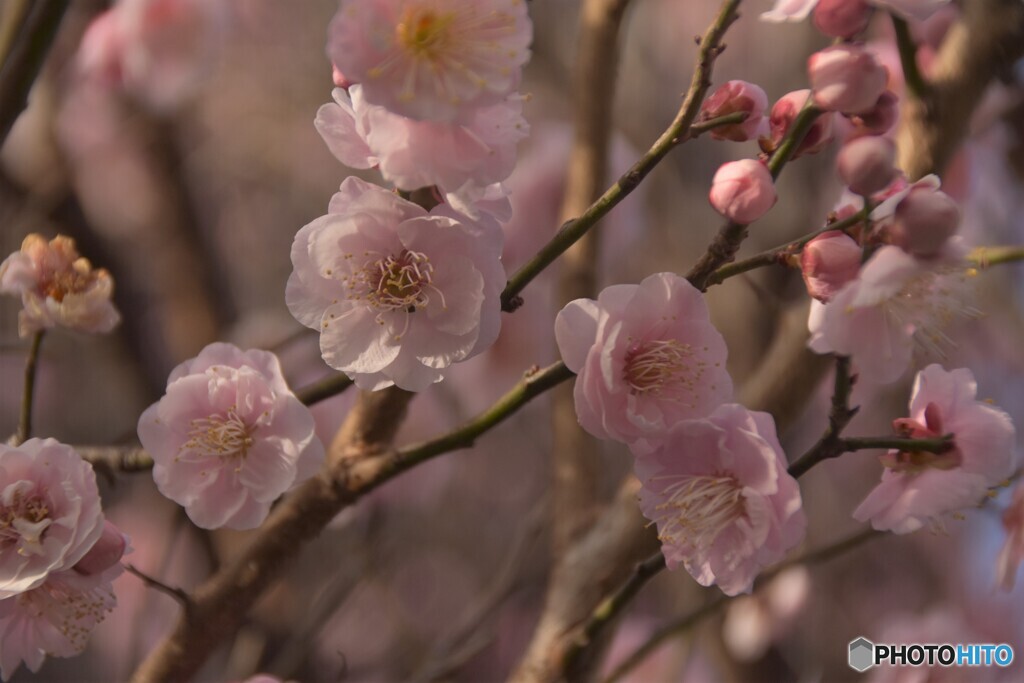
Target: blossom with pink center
x=828 y=262
x=781 y=119
x=58 y=287
x=646 y=356
x=743 y=190
x=229 y=437
x=719 y=492
x=50 y=513
x=896 y=305
x=918 y=487
x=479 y=151
x=1012 y=552
x=732 y=97
x=846 y=78
x=434 y=60
x=55 y=618
x=398 y=294
x=158 y=50
x=797 y=10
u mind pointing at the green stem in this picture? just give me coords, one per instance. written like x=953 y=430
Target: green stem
x=984 y=257
x=28 y=391
x=679 y=131
x=916 y=83
x=861 y=443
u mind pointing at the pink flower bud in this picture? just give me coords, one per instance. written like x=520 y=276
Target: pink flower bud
x=742 y=191
x=841 y=18
x=732 y=97
x=828 y=262
x=924 y=221
x=846 y=78
x=867 y=164
x=783 y=113
x=881 y=117
x=339 y=78
x=105 y=553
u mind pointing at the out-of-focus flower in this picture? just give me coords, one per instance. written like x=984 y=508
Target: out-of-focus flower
x=828 y=262
x=719 y=492
x=879 y=118
x=479 y=151
x=781 y=118
x=158 y=50
x=897 y=302
x=841 y=18
x=945 y=624
x=867 y=164
x=646 y=356
x=58 y=287
x=919 y=487
x=743 y=190
x=50 y=513
x=54 y=619
x=397 y=294
x=797 y=10
x=846 y=78
x=732 y=97
x=753 y=622
x=432 y=60
x=924 y=221
x=229 y=437
x=1012 y=552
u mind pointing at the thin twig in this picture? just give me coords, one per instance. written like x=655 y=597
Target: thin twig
x=830 y=445
x=28 y=391
x=179 y=595
x=323 y=389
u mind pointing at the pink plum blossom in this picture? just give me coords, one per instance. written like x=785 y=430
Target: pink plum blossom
x=896 y=304
x=157 y=50
x=841 y=18
x=58 y=287
x=1012 y=552
x=867 y=164
x=732 y=97
x=918 y=487
x=828 y=262
x=781 y=118
x=743 y=190
x=719 y=492
x=435 y=60
x=50 y=513
x=229 y=437
x=846 y=78
x=54 y=619
x=479 y=151
x=797 y=10
x=646 y=356
x=924 y=221
x=397 y=294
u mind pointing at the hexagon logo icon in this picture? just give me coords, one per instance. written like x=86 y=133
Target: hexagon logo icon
x=862 y=654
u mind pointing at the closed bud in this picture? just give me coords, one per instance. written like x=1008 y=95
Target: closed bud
x=867 y=164
x=105 y=553
x=783 y=113
x=732 y=97
x=742 y=191
x=828 y=262
x=846 y=78
x=880 y=118
x=841 y=18
x=924 y=221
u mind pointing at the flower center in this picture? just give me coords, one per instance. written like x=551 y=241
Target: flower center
x=698 y=509
x=655 y=366
x=913 y=462
x=930 y=302
x=65 y=282
x=223 y=436
x=423 y=32
x=24 y=521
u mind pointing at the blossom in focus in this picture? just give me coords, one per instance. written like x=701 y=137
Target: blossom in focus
x=1012 y=552
x=896 y=304
x=732 y=97
x=50 y=515
x=645 y=356
x=781 y=118
x=397 y=294
x=828 y=262
x=719 y=492
x=433 y=60
x=54 y=619
x=58 y=287
x=797 y=10
x=918 y=487
x=158 y=50
x=229 y=437
x=846 y=78
x=479 y=151
x=743 y=190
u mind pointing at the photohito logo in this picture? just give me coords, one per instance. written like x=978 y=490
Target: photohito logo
x=864 y=654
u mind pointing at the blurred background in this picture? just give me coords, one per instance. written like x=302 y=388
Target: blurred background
x=191 y=200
